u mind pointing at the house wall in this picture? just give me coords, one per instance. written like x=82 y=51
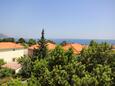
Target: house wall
x=10 y=54
x=17 y=71
x=30 y=52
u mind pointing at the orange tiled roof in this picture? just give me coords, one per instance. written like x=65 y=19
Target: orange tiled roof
x=12 y=65
x=9 y=45
x=34 y=46
x=76 y=47
x=49 y=45
x=113 y=46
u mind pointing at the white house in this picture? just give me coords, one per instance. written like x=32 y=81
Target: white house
x=9 y=51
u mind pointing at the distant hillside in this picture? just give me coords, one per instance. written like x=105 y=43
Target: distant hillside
x=3 y=35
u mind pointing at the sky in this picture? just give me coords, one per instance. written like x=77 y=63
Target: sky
x=76 y=19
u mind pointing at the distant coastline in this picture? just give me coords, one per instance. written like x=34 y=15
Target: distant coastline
x=83 y=41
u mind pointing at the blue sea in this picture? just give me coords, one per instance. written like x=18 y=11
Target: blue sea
x=82 y=41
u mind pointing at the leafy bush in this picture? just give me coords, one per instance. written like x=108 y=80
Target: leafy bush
x=5 y=72
x=1 y=62
x=26 y=69
x=95 y=66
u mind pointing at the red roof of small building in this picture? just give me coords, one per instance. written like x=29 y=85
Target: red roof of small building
x=75 y=46
x=12 y=65
x=9 y=45
x=34 y=46
x=49 y=45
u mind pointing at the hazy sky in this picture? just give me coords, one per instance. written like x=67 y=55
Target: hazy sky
x=60 y=18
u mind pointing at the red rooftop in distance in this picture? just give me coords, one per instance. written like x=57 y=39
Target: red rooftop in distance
x=75 y=46
x=13 y=65
x=10 y=45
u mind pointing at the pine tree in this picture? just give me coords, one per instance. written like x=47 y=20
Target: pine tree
x=42 y=51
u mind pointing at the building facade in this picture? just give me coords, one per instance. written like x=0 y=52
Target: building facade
x=9 y=51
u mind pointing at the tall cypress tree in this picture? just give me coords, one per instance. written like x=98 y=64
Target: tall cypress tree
x=42 y=51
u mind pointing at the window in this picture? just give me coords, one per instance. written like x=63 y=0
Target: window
x=14 y=59
x=13 y=49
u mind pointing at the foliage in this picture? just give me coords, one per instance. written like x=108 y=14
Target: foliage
x=4 y=80
x=26 y=69
x=39 y=67
x=57 y=57
x=7 y=40
x=33 y=81
x=1 y=62
x=42 y=51
x=21 y=40
x=58 y=76
x=31 y=42
x=50 y=41
x=15 y=82
x=5 y=72
x=69 y=55
x=94 y=66
x=25 y=45
x=103 y=74
x=63 y=43
x=96 y=54
x=93 y=43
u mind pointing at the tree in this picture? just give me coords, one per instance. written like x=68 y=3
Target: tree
x=63 y=43
x=50 y=41
x=26 y=69
x=59 y=76
x=7 y=40
x=96 y=54
x=33 y=81
x=42 y=51
x=31 y=42
x=95 y=67
x=69 y=54
x=39 y=67
x=1 y=62
x=87 y=80
x=57 y=57
x=5 y=72
x=93 y=43
x=21 y=40
x=103 y=74
x=16 y=82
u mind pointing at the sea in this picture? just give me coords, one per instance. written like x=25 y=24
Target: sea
x=83 y=41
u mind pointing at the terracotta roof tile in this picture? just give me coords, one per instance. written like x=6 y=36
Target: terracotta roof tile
x=34 y=46
x=12 y=65
x=9 y=45
x=76 y=47
x=49 y=45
